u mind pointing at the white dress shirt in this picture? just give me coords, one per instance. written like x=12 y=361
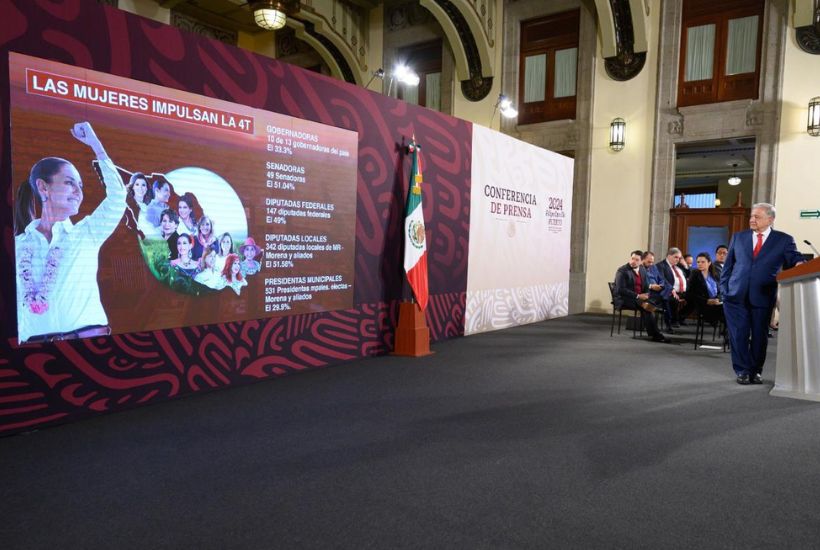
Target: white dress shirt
x=74 y=296
x=765 y=236
x=680 y=283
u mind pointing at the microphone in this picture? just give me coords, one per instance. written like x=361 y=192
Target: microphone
x=816 y=254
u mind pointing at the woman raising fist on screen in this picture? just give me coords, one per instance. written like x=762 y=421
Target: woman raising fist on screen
x=57 y=293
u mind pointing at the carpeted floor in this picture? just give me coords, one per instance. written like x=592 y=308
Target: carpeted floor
x=551 y=435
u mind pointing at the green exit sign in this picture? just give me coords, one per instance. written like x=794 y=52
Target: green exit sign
x=810 y=214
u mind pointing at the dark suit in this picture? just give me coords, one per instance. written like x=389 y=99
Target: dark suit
x=655 y=278
x=670 y=304
x=749 y=289
x=625 y=295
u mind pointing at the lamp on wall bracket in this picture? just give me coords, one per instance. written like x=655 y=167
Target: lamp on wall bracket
x=813 y=125
x=617 y=134
x=734 y=180
x=272 y=15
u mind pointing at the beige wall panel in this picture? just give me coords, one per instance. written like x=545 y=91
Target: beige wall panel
x=797 y=186
x=621 y=182
x=147 y=8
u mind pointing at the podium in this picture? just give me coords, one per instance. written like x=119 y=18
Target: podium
x=798 y=341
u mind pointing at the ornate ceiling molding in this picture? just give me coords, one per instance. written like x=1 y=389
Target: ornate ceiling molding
x=194 y=25
x=469 y=27
x=338 y=31
x=623 y=34
x=327 y=50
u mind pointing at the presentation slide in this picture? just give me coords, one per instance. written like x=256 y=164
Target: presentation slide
x=520 y=212
x=140 y=207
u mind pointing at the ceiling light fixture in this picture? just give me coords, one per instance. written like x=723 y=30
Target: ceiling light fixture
x=734 y=180
x=272 y=15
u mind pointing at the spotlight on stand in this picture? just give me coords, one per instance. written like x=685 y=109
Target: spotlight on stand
x=505 y=107
x=402 y=73
x=378 y=73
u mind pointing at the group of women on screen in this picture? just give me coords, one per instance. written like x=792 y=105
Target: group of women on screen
x=56 y=259
x=194 y=250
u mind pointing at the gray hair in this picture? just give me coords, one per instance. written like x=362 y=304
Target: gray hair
x=673 y=250
x=766 y=207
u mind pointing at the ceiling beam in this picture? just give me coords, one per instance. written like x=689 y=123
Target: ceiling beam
x=170 y=4
x=366 y=4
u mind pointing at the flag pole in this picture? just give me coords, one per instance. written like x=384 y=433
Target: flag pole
x=412 y=336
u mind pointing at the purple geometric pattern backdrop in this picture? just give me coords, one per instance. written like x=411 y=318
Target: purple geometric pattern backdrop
x=48 y=383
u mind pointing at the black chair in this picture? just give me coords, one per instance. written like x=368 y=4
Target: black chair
x=619 y=309
x=718 y=327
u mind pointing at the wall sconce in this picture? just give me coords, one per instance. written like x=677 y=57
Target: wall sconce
x=505 y=106
x=402 y=73
x=813 y=126
x=617 y=134
x=272 y=15
x=734 y=180
x=717 y=203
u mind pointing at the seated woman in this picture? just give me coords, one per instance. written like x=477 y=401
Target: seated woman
x=249 y=252
x=223 y=250
x=205 y=237
x=703 y=290
x=232 y=274
x=209 y=275
x=183 y=262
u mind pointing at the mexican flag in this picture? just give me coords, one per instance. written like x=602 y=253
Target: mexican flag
x=415 y=243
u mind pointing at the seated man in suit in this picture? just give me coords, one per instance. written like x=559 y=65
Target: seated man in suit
x=632 y=290
x=674 y=288
x=655 y=279
x=720 y=256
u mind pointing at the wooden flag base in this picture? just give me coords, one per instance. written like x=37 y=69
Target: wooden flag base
x=412 y=334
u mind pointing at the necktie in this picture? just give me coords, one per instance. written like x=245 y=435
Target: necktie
x=678 y=277
x=758 y=246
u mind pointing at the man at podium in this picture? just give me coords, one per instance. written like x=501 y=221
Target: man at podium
x=749 y=287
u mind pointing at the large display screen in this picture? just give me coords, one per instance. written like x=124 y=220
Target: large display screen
x=140 y=207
